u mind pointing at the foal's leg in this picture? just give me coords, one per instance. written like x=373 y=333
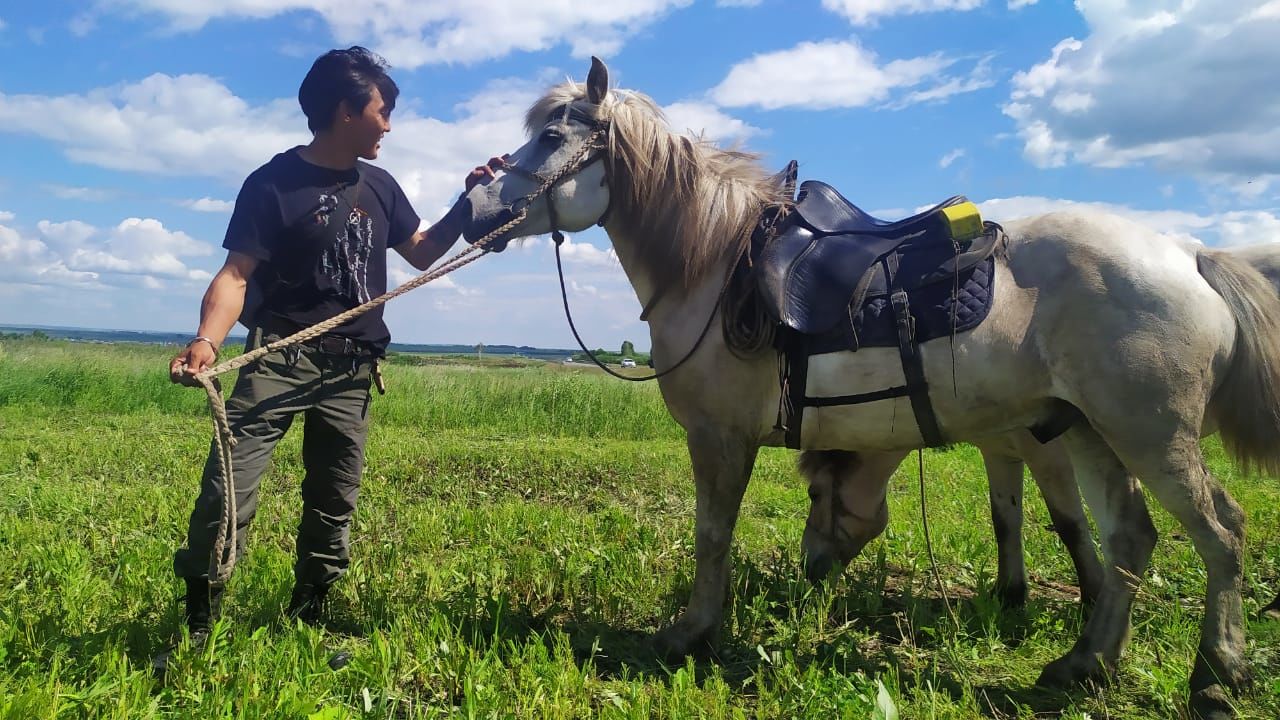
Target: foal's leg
x=722 y=465
x=1128 y=537
x=1051 y=469
x=847 y=505
x=1004 y=482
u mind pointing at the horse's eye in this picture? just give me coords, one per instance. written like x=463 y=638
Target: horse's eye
x=550 y=136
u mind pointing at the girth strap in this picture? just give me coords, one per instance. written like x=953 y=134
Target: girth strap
x=913 y=369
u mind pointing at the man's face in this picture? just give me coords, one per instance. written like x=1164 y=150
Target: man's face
x=365 y=129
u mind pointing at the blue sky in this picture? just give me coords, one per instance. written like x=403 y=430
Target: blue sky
x=126 y=127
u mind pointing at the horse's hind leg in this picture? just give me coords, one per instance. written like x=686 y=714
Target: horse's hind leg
x=1004 y=482
x=721 y=468
x=1185 y=487
x=1128 y=538
x=1051 y=469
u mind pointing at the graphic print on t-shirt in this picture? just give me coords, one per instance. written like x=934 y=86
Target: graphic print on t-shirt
x=345 y=262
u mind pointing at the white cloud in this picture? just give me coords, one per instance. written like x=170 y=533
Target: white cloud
x=193 y=125
x=66 y=236
x=577 y=288
x=27 y=261
x=6 y=216
x=1269 y=11
x=209 y=205
x=170 y=125
x=135 y=253
x=1189 y=89
x=71 y=192
x=400 y=272
x=411 y=33
x=1019 y=4
x=946 y=160
x=702 y=118
x=834 y=74
x=588 y=255
x=1249 y=228
x=1235 y=227
x=141 y=247
x=81 y=25
x=862 y=12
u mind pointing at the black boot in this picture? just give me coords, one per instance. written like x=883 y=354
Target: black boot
x=307 y=603
x=203 y=605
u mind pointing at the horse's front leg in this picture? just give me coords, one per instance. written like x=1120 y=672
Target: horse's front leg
x=722 y=465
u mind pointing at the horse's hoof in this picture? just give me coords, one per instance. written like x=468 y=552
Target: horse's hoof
x=1233 y=676
x=1211 y=703
x=1012 y=597
x=1272 y=611
x=1066 y=673
x=676 y=643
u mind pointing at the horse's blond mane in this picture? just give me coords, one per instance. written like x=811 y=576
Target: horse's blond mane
x=691 y=203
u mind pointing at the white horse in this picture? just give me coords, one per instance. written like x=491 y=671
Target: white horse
x=1144 y=337
x=849 y=509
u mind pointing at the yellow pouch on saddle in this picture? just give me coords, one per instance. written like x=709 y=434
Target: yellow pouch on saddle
x=963 y=221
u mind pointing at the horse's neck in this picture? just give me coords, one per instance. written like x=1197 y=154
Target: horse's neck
x=641 y=277
x=670 y=304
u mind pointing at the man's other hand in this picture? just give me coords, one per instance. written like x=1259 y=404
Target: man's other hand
x=194 y=359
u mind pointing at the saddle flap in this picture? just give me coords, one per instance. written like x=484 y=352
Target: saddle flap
x=808 y=281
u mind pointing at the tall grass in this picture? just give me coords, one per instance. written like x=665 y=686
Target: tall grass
x=519 y=401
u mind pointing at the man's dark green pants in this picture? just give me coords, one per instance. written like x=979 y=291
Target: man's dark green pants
x=331 y=392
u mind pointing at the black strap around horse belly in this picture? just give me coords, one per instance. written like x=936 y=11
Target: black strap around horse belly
x=795 y=370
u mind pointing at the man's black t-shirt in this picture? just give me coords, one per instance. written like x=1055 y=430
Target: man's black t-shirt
x=321 y=238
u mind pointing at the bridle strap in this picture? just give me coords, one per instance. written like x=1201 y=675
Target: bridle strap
x=540 y=179
x=564 y=295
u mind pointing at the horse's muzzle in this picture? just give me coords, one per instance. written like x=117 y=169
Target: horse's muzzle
x=484 y=220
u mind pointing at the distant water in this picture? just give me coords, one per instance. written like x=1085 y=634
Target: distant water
x=95 y=335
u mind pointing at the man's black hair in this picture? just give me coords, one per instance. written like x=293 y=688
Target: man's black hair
x=339 y=75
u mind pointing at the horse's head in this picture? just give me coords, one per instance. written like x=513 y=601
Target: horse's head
x=565 y=158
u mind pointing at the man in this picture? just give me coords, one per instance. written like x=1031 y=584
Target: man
x=309 y=234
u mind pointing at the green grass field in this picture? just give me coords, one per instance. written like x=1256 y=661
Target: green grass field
x=521 y=532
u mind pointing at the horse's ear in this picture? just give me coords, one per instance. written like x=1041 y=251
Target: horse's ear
x=597 y=81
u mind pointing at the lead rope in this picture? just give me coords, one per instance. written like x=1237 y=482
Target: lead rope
x=928 y=543
x=222 y=559
x=564 y=295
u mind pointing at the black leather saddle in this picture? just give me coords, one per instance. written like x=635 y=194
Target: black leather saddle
x=827 y=212
x=838 y=279
x=820 y=263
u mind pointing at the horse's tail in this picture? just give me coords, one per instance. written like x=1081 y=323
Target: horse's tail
x=1265 y=258
x=1246 y=405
